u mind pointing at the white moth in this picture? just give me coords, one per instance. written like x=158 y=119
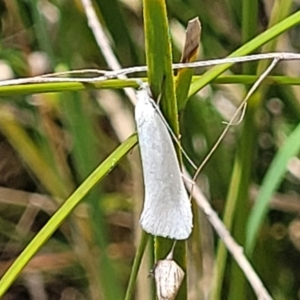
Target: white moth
x=167 y=209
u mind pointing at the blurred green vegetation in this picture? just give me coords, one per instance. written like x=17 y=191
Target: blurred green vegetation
x=51 y=143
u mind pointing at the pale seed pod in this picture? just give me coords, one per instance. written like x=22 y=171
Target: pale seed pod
x=168 y=278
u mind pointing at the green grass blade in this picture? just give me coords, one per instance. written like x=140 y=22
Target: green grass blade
x=159 y=58
x=136 y=265
x=24 y=89
x=269 y=185
x=35 y=88
x=57 y=219
x=238 y=212
x=80 y=118
x=236 y=203
x=255 y=43
x=160 y=76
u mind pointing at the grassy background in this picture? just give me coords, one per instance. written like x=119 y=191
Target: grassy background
x=60 y=138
